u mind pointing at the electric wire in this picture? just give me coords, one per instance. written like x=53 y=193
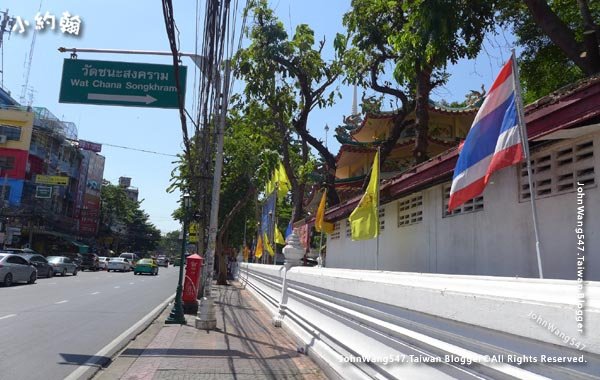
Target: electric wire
x=139 y=150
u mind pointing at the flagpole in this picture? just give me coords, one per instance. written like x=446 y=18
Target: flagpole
x=272 y=230
x=321 y=239
x=378 y=222
x=321 y=249
x=525 y=142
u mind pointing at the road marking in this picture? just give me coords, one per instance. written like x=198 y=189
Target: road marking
x=52 y=283
x=113 y=346
x=131 y=283
x=117 y=287
x=95 y=293
x=59 y=302
x=8 y=316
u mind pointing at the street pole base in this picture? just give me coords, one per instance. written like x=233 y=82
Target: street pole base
x=278 y=320
x=176 y=317
x=206 y=319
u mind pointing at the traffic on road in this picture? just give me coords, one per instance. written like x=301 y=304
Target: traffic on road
x=26 y=265
x=78 y=312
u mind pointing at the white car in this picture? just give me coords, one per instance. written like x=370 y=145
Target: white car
x=120 y=264
x=103 y=262
x=14 y=268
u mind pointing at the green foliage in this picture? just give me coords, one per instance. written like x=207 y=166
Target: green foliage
x=118 y=210
x=287 y=77
x=370 y=24
x=116 y=207
x=543 y=66
x=413 y=35
x=170 y=244
x=250 y=156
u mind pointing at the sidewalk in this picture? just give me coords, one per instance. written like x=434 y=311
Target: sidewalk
x=244 y=346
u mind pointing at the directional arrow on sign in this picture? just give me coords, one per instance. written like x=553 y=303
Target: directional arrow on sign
x=147 y=99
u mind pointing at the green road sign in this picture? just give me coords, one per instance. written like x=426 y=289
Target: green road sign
x=120 y=83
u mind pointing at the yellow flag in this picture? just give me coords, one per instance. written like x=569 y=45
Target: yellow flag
x=246 y=252
x=270 y=186
x=279 y=237
x=320 y=223
x=259 y=248
x=364 y=220
x=268 y=246
x=283 y=181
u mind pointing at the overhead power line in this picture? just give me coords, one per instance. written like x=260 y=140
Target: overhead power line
x=139 y=150
x=125 y=147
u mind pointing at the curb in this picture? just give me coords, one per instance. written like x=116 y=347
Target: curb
x=89 y=369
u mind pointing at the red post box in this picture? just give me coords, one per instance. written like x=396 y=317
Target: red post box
x=193 y=271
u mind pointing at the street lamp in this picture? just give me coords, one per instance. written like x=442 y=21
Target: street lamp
x=176 y=317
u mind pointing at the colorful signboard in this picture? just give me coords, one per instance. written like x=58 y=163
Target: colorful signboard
x=193 y=236
x=88 y=145
x=89 y=189
x=52 y=180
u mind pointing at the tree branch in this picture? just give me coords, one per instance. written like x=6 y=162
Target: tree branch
x=384 y=89
x=559 y=33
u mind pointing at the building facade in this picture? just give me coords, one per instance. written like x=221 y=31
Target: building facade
x=493 y=234
x=51 y=187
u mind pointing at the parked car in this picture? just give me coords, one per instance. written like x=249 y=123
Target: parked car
x=120 y=264
x=14 y=268
x=90 y=261
x=19 y=250
x=132 y=257
x=103 y=262
x=146 y=266
x=63 y=265
x=162 y=261
x=76 y=258
x=44 y=269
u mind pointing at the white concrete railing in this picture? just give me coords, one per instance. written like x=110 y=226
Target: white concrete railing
x=339 y=315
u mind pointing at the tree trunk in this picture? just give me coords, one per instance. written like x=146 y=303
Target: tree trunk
x=400 y=123
x=331 y=164
x=222 y=264
x=591 y=36
x=560 y=34
x=298 y=190
x=222 y=278
x=422 y=115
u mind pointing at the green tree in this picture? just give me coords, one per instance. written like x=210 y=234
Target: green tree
x=290 y=78
x=123 y=220
x=560 y=41
x=142 y=236
x=250 y=156
x=417 y=39
x=169 y=244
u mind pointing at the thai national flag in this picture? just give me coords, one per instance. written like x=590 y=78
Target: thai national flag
x=493 y=142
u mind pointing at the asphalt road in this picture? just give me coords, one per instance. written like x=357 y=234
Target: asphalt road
x=50 y=328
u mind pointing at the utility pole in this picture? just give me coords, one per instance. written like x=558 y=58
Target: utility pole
x=206 y=319
x=5 y=27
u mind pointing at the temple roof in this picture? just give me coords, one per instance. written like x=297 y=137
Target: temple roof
x=434 y=107
x=369 y=148
x=569 y=107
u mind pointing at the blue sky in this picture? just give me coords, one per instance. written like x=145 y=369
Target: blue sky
x=138 y=25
